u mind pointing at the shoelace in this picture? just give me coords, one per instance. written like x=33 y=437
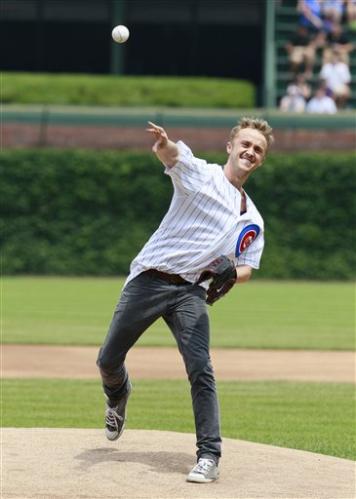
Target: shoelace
x=112 y=417
x=203 y=465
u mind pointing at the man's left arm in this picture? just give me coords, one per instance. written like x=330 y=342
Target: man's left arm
x=243 y=273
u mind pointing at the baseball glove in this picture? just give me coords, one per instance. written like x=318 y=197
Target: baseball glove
x=222 y=273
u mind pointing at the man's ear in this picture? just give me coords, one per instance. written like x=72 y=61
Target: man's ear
x=228 y=147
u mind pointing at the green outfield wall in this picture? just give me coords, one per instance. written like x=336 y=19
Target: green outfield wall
x=183 y=117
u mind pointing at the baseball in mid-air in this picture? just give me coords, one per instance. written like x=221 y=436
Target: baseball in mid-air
x=120 y=33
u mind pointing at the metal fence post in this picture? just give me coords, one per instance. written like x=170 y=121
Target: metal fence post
x=117 y=50
x=269 y=94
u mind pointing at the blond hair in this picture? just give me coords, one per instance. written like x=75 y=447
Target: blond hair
x=256 y=123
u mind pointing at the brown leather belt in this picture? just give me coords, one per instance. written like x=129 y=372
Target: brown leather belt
x=172 y=278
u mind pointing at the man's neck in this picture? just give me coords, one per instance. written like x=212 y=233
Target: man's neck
x=236 y=181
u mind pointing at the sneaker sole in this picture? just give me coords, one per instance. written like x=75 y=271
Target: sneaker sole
x=200 y=479
x=112 y=435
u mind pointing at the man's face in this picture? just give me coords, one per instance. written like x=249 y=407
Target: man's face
x=247 y=151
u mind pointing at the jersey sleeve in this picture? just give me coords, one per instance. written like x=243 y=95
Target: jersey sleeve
x=189 y=173
x=253 y=253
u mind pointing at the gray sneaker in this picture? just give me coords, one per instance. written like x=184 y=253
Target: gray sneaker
x=206 y=470
x=115 y=417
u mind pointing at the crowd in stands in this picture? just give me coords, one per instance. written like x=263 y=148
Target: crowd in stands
x=322 y=32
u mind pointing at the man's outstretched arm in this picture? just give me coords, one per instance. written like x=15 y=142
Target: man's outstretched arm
x=165 y=150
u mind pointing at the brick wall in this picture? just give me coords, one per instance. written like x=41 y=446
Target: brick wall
x=104 y=137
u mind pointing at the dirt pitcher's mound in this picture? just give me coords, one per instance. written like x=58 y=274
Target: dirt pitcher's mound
x=66 y=463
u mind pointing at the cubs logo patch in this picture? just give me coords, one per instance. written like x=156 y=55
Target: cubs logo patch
x=246 y=237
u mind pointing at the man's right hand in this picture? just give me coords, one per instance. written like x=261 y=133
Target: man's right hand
x=160 y=135
x=166 y=150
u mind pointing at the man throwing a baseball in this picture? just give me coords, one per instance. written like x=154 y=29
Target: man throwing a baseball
x=209 y=240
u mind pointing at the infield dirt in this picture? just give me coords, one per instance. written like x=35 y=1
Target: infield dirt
x=65 y=463
x=165 y=363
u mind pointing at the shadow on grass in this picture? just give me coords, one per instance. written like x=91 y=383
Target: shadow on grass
x=162 y=461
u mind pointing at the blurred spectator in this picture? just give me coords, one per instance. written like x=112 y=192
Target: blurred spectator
x=321 y=103
x=301 y=50
x=293 y=101
x=332 y=11
x=304 y=88
x=337 y=77
x=310 y=14
x=351 y=14
x=338 y=40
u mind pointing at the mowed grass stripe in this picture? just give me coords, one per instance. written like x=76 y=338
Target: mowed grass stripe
x=260 y=314
x=316 y=417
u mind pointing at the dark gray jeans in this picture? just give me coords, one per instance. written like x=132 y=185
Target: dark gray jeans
x=182 y=306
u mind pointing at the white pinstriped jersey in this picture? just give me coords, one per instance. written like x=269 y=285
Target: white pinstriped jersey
x=202 y=223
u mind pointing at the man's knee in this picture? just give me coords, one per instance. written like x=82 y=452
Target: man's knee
x=113 y=372
x=108 y=364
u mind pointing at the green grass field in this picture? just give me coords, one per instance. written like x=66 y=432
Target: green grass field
x=310 y=416
x=76 y=311
x=260 y=314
